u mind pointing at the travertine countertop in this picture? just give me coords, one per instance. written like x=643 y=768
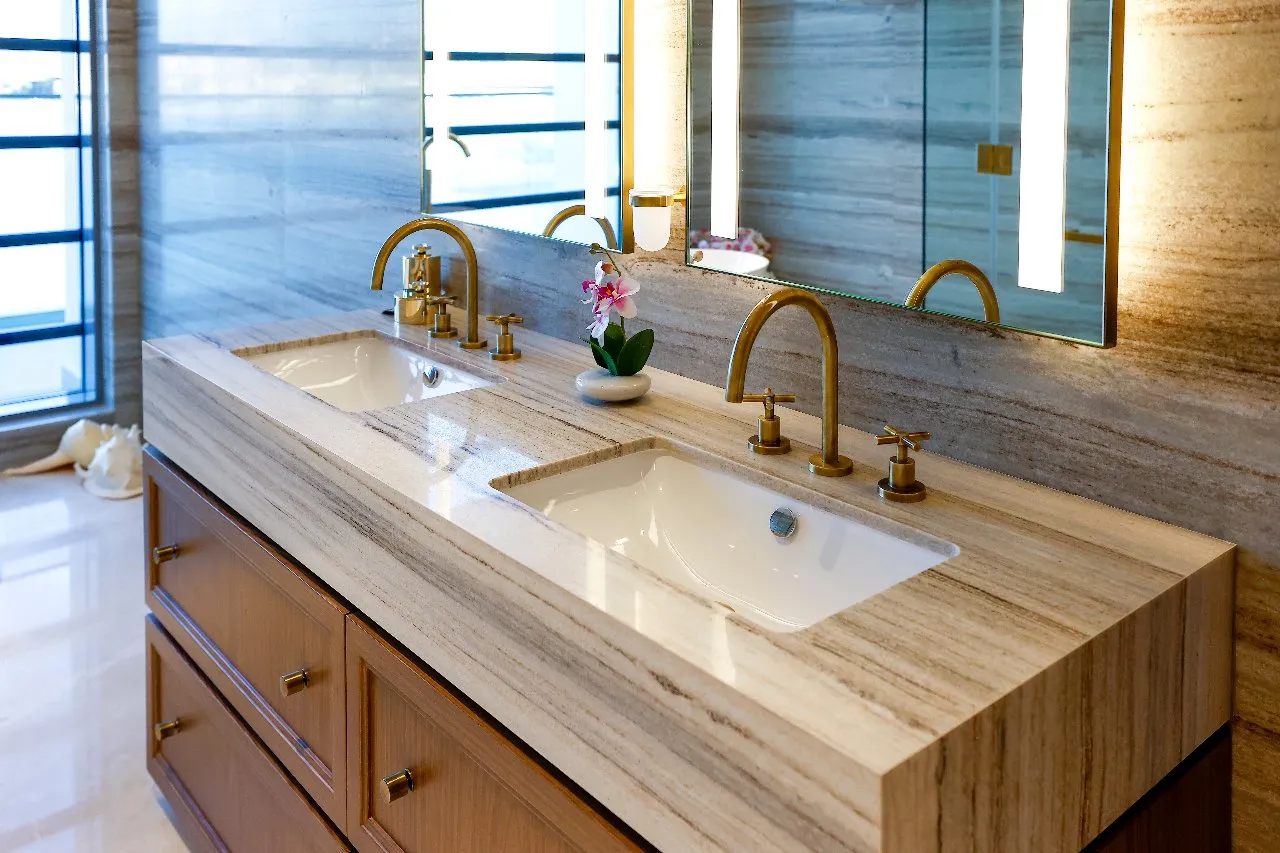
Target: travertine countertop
x=1019 y=696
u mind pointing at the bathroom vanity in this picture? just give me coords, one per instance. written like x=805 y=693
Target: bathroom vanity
x=367 y=631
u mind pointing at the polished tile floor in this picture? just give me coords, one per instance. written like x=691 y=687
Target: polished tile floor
x=72 y=733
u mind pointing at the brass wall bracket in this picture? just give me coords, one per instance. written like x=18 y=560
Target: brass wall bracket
x=995 y=159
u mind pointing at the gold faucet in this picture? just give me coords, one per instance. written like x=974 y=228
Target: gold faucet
x=828 y=463
x=610 y=237
x=431 y=223
x=990 y=307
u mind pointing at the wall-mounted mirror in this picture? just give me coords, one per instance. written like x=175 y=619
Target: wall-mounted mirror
x=856 y=148
x=521 y=116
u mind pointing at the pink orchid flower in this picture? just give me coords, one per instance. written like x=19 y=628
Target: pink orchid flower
x=598 y=326
x=609 y=293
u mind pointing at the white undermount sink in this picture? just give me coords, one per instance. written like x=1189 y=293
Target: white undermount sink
x=364 y=370
x=711 y=531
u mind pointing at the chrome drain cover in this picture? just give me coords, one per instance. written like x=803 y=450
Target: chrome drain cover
x=783 y=523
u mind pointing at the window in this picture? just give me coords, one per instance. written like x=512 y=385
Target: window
x=49 y=349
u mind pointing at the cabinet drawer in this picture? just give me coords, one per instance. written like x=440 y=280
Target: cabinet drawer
x=226 y=792
x=464 y=787
x=269 y=638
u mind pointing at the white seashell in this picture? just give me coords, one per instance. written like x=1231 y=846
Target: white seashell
x=82 y=439
x=116 y=469
x=53 y=461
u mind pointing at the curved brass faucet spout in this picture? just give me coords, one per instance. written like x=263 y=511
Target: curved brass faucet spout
x=828 y=463
x=610 y=238
x=935 y=273
x=430 y=223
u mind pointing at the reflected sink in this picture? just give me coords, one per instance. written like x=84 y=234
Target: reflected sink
x=365 y=370
x=711 y=532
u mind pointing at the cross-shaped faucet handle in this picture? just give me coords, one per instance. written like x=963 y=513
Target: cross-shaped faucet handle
x=906 y=440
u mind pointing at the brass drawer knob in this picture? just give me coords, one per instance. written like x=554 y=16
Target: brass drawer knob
x=163 y=554
x=396 y=786
x=167 y=729
x=294 y=682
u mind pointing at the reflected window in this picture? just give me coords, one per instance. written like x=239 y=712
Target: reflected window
x=522 y=113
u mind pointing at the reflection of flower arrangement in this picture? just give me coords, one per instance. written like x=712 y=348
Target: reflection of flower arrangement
x=749 y=240
x=609 y=293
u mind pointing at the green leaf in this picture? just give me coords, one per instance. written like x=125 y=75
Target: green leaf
x=595 y=352
x=614 y=338
x=635 y=352
x=603 y=358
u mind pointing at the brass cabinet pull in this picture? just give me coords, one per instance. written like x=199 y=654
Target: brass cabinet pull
x=167 y=729
x=163 y=553
x=294 y=682
x=396 y=785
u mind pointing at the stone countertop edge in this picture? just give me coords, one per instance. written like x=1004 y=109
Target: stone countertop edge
x=1023 y=693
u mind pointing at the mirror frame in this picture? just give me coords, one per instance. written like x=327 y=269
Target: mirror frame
x=1111 y=238
x=626 y=118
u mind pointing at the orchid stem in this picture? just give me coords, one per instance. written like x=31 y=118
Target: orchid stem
x=597 y=249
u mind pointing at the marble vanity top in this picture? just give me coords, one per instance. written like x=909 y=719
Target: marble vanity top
x=1018 y=696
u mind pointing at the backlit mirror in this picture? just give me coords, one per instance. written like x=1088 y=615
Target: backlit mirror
x=857 y=148
x=521 y=117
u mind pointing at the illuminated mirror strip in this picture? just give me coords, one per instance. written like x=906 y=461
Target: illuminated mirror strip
x=1046 y=52
x=725 y=93
x=595 y=114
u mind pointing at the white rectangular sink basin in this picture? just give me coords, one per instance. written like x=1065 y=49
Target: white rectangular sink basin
x=710 y=531
x=364 y=370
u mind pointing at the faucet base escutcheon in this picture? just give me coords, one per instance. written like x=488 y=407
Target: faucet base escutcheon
x=842 y=467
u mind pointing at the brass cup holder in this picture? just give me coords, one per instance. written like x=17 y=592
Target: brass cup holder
x=769 y=440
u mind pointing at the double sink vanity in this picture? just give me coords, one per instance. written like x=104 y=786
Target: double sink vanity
x=408 y=597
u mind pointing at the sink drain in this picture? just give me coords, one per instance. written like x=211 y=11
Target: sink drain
x=783 y=523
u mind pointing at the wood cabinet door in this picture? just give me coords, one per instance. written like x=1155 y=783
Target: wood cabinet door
x=226 y=791
x=472 y=789
x=248 y=616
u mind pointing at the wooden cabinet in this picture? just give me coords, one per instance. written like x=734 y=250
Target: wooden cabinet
x=226 y=791
x=249 y=653
x=428 y=774
x=269 y=637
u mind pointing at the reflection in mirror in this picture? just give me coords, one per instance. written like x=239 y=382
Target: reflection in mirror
x=868 y=150
x=521 y=116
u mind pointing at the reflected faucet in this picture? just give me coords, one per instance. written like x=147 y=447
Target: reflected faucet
x=430 y=223
x=990 y=306
x=610 y=238
x=828 y=463
x=426 y=173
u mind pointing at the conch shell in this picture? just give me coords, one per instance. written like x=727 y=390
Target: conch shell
x=78 y=444
x=116 y=469
x=107 y=459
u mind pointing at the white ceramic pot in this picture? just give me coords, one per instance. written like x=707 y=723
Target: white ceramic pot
x=599 y=384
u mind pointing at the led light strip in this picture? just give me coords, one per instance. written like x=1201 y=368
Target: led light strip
x=725 y=94
x=594 y=111
x=1042 y=200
